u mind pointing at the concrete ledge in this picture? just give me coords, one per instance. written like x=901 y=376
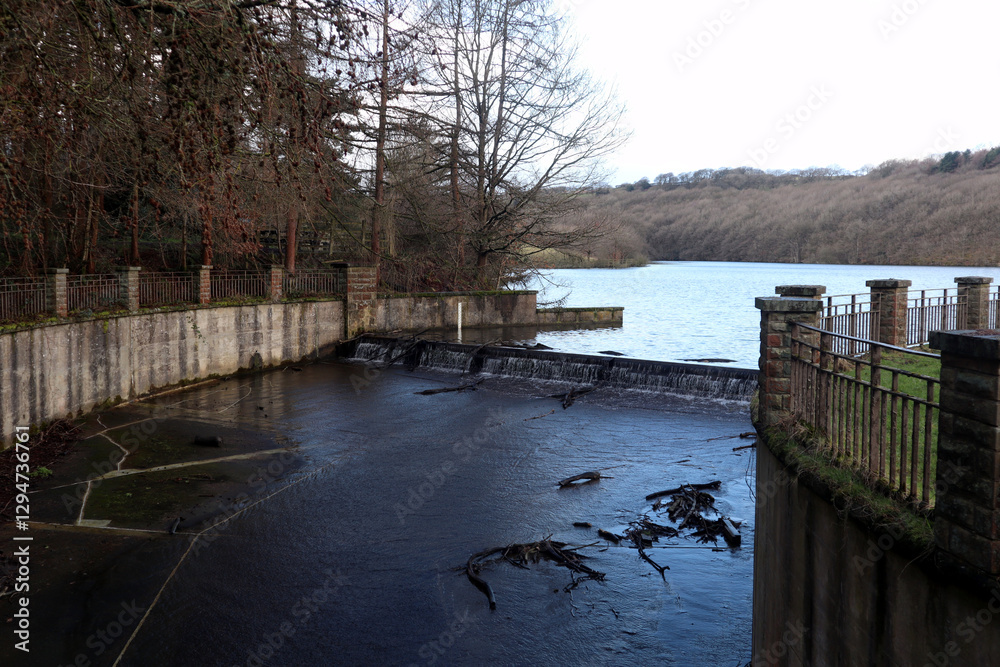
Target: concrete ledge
x=890 y=283
x=608 y=314
x=780 y=304
x=983 y=344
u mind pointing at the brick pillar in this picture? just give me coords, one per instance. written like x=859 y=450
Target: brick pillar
x=361 y=293
x=55 y=292
x=776 y=317
x=889 y=301
x=128 y=287
x=976 y=291
x=204 y=284
x=967 y=510
x=277 y=283
x=805 y=291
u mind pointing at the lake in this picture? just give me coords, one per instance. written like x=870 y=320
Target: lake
x=696 y=310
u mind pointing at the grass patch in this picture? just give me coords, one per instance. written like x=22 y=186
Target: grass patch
x=851 y=490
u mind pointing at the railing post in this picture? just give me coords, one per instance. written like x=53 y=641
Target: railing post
x=776 y=317
x=976 y=293
x=275 y=288
x=128 y=287
x=55 y=292
x=889 y=298
x=967 y=509
x=204 y=285
x=361 y=294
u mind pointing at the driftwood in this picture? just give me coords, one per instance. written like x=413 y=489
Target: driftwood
x=612 y=353
x=610 y=537
x=710 y=486
x=569 y=397
x=520 y=555
x=589 y=476
x=582 y=524
x=736 y=449
x=430 y=392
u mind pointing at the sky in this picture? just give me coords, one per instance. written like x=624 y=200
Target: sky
x=792 y=84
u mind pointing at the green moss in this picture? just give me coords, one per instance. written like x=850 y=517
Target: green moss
x=801 y=451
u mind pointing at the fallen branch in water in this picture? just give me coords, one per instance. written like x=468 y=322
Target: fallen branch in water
x=736 y=449
x=470 y=385
x=710 y=486
x=570 y=396
x=522 y=554
x=589 y=476
x=528 y=419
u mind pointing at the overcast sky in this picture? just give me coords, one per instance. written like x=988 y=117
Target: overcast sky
x=789 y=84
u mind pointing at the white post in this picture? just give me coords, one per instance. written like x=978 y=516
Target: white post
x=459 y=321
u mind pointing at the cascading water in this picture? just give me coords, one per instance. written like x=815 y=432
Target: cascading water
x=578 y=369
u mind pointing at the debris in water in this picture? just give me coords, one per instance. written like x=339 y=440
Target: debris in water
x=588 y=476
x=710 y=486
x=469 y=385
x=582 y=524
x=612 y=353
x=610 y=537
x=528 y=419
x=520 y=555
x=736 y=449
x=712 y=361
x=569 y=397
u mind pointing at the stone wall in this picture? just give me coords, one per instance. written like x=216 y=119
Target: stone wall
x=605 y=315
x=54 y=371
x=440 y=311
x=829 y=591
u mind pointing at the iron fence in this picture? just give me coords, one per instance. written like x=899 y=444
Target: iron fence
x=853 y=316
x=239 y=284
x=872 y=413
x=94 y=292
x=166 y=289
x=933 y=310
x=314 y=283
x=21 y=297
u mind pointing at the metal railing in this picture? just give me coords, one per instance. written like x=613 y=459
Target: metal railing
x=854 y=316
x=933 y=310
x=239 y=284
x=994 y=307
x=872 y=414
x=21 y=297
x=314 y=283
x=93 y=292
x=166 y=289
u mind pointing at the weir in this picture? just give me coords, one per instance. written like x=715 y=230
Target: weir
x=733 y=384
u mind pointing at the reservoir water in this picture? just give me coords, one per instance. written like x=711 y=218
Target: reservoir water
x=705 y=310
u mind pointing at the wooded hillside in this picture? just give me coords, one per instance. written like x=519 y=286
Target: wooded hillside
x=935 y=211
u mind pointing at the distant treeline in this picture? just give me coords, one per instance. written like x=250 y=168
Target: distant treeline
x=934 y=211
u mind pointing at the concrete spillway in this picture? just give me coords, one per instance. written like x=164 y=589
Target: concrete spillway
x=580 y=369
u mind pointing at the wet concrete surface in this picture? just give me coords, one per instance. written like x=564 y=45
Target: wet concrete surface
x=347 y=548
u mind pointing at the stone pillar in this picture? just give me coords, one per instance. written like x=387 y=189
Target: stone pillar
x=976 y=290
x=276 y=285
x=128 y=287
x=361 y=293
x=805 y=291
x=776 y=317
x=204 y=284
x=889 y=301
x=55 y=292
x=967 y=509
